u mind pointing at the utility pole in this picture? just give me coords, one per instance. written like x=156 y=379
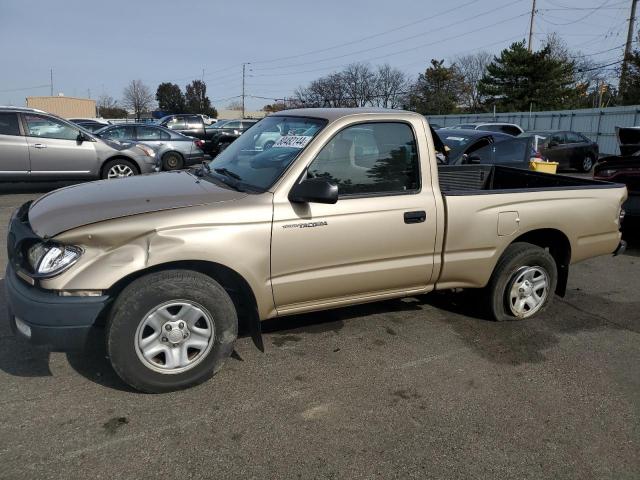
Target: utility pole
x=51 y=80
x=244 y=65
x=533 y=13
x=627 y=47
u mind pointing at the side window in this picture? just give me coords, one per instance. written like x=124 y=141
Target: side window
x=176 y=123
x=46 y=127
x=193 y=121
x=558 y=138
x=246 y=125
x=119 y=133
x=370 y=158
x=232 y=125
x=573 y=137
x=511 y=151
x=151 y=133
x=510 y=129
x=9 y=124
x=490 y=128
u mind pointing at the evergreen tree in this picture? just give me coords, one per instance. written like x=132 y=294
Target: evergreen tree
x=438 y=90
x=170 y=98
x=630 y=81
x=519 y=79
x=197 y=100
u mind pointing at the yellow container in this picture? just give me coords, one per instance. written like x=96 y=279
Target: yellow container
x=546 y=167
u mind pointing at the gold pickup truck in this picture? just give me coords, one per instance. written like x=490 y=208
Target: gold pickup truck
x=338 y=207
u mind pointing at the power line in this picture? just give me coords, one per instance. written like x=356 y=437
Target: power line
x=402 y=40
x=369 y=37
x=25 y=88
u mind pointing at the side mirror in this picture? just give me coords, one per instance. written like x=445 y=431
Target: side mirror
x=314 y=190
x=81 y=137
x=473 y=159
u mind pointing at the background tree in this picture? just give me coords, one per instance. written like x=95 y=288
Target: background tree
x=197 y=101
x=438 y=90
x=137 y=97
x=170 y=98
x=519 y=79
x=630 y=81
x=391 y=86
x=109 y=108
x=274 y=107
x=359 y=84
x=234 y=105
x=472 y=68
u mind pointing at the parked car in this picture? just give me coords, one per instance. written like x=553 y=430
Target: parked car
x=174 y=150
x=167 y=266
x=220 y=136
x=508 y=128
x=569 y=149
x=624 y=168
x=216 y=137
x=481 y=147
x=39 y=146
x=91 y=124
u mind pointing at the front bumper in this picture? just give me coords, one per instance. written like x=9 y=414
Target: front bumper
x=44 y=318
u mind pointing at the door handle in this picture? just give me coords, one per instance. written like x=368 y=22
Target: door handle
x=415 y=217
x=39 y=145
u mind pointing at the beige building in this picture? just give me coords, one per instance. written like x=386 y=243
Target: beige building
x=237 y=114
x=65 y=107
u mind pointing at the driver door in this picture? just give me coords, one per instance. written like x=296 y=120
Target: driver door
x=377 y=240
x=54 y=149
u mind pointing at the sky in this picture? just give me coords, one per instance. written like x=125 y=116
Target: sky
x=97 y=48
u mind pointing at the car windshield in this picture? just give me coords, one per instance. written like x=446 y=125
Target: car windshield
x=456 y=141
x=218 y=124
x=260 y=155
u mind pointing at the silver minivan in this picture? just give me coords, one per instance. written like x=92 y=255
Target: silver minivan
x=35 y=145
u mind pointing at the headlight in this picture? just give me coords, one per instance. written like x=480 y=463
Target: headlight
x=148 y=151
x=49 y=259
x=605 y=173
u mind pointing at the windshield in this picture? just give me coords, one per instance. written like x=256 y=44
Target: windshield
x=260 y=155
x=217 y=124
x=457 y=142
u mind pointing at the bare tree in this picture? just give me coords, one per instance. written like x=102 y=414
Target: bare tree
x=359 y=84
x=235 y=105
x=390 y=88
x=137 y=97
x=472 y=68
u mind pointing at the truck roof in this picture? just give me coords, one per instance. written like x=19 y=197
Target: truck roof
x=332 y=114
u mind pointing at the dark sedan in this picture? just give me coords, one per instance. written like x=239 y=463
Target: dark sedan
x=476 y=146
x=569 y=149
x=174 y=150
x=624 y=168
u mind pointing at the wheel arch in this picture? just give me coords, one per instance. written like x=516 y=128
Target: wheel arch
x=235 y=285
x=119 y=157
x=559 y=247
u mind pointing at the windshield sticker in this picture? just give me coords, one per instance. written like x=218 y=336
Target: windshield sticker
x=292 y=141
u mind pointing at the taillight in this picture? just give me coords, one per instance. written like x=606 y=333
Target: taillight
x=199 y=144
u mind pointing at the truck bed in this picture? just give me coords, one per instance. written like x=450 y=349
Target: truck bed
x=483 y=179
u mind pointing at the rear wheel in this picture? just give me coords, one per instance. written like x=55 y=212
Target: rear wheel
x=172 y=161
x=523 y=283
x=171 y=330
x=118 y=168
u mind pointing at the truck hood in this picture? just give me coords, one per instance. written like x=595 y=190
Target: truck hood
x=79 y=205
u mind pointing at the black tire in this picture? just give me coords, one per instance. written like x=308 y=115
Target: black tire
x=172 y=161
x=519 y=259
x=268 y=145
x=118 y=164
x=145 y=294
x=587 y=164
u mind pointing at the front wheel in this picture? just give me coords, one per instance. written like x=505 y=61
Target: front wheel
x=118 y=168
x=523 y=282
x=587 y=164
x=170 y=330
